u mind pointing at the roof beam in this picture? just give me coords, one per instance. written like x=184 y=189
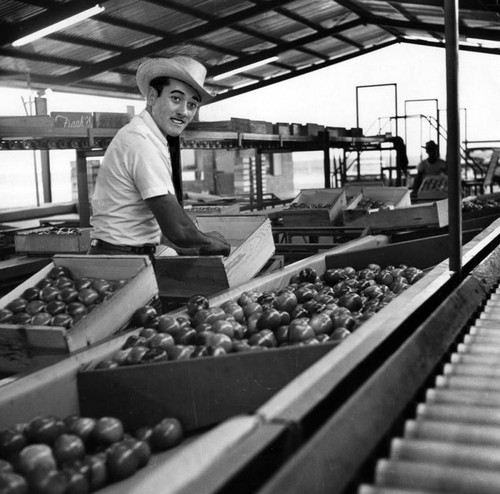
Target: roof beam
x=298 y=72
x=171 y=40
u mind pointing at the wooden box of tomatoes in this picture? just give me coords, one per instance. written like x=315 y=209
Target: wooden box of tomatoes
x=48 y=241
x=200 y=392
x=49 y=316
x=315 y=208
x=252 y=245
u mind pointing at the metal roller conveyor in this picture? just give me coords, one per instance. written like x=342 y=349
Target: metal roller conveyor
x=453 y=443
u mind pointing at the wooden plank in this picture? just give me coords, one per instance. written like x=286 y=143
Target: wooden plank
x=48 y=242
x=200 y=392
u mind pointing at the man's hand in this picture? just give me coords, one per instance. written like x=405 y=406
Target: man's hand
x=218 y=245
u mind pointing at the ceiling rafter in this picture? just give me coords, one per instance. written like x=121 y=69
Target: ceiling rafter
x=168 y=41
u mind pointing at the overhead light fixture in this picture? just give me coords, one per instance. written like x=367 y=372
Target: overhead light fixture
x=245 y=68
x=485 y=43
x=74 y=19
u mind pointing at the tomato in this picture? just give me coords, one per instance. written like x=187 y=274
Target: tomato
x=269 y=319
x=36 y=306
x=49 y=293
x=17 y=305
x=76 y=478
x=185 y=336
x=58 y=271
x=252 y=322
x=161 y=340
x=252 y=308
x=107 y=364
x=121 y=356
x=44 y=282
x=314 y=307
x=286 y=301
x=97 y=473
x=100 y=285
x=179 y=352
x=333 y=276
x=64 y=282
x=196 y=303
x=281 y=334
x=223 y=327
x=122 y=462
x=68 y=447
x=82 y=427
x=107 y=430
x=154 y=355
x=304 y=293
x=264 y=338
x=45 y=429
x=219 y=339
x=136 y=354
x=299 y=311
x=167 y=434
x=144 y=434
x=216 y=351
x=241 y=346
x=82 y=283
x=6 y=315
x=300 y=330
x=234 y=309
x=144 y=316
x=339 y=334
x=12 y=483
x=62 y=320
x=6 y=466
x=321 y=324
x=11 y=442
x=239 y=330
x=76 y=309
x=134 y=340
x=248 y=296
x=34 y=457
x=31 y=293
x=141 y=449
x=308 y=274
x=54 y=307
x=351 y=301
x=88 y=296
x=267 y=300
x=21 y=318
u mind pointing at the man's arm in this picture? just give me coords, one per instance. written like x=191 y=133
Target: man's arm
x=178 y=228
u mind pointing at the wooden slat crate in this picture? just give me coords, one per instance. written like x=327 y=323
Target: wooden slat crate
x=307 y=209
x=251 y=243
x=52 y=240
x=106 y=319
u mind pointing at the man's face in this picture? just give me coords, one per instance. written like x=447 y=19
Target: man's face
x=175 y=108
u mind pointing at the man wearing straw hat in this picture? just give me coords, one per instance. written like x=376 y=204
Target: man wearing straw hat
x=135 y=203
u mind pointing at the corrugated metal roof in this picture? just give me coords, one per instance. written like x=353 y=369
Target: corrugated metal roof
x=100 y=55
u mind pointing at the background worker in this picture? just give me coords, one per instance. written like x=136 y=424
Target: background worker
x=136 y=203
x=432 y=165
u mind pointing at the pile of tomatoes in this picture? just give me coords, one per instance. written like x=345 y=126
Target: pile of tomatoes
x=311 y=310
x=77 y=454
x=58 y=299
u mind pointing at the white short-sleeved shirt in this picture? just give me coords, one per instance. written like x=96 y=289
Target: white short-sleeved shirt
x=135 y=167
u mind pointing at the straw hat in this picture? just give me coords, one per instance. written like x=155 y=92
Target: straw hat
x=180 y=67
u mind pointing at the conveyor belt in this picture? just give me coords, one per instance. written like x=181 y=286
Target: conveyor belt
x=452 y=445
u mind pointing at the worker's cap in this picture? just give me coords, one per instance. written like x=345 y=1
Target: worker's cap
x=430 y=145
x=182 y=68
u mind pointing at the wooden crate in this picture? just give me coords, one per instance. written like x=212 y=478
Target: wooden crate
x=46 y=241
x=196 y=210
x=428 y=214
x=201 y=392
x=107 y=318
x=433 y=187
x=311 y=216
x=355 y=216
x=252 y=245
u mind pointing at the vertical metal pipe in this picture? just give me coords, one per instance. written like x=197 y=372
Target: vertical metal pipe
x=325 y=137
x=83 y=189
x=453 y=143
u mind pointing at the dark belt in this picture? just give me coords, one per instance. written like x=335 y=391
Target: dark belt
x=146 y=249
